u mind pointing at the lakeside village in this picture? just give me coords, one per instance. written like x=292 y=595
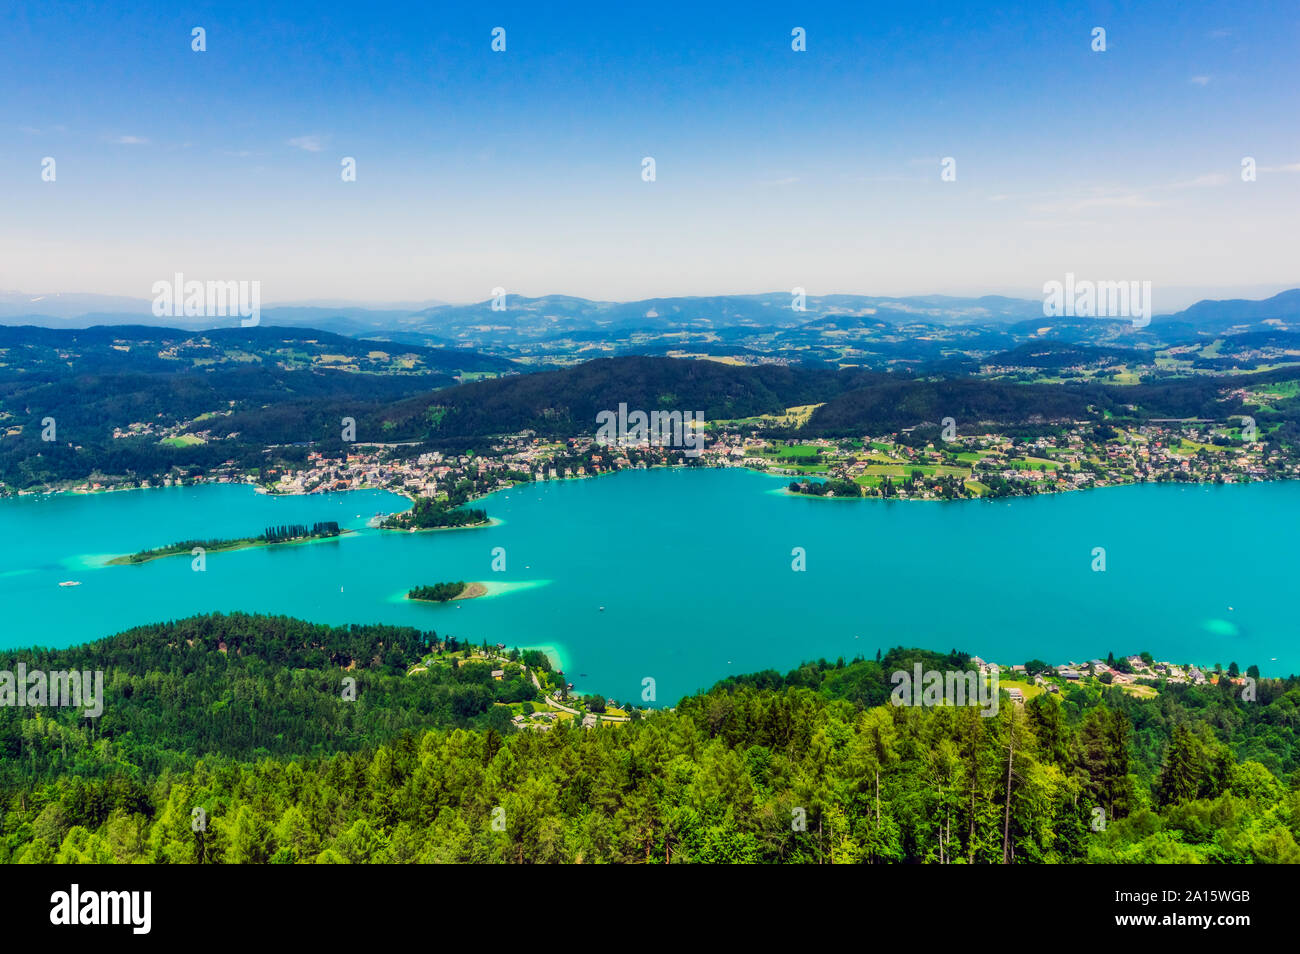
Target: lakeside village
x=532 y=696
x=1140 y=675
x=528 y=692
x=914 y=463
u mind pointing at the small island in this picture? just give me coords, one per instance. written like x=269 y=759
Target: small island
x=443 y=592
x=285 y=533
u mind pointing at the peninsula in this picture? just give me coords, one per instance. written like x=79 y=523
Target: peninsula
x=286 y=533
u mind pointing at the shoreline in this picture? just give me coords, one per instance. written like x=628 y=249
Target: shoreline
x=785 y=491
x=494 y=521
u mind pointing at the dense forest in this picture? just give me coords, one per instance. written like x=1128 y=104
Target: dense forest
x=244 y=687
x=241 y=720
x=854 y=401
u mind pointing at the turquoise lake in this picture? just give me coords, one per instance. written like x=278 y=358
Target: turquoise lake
x=693 y=569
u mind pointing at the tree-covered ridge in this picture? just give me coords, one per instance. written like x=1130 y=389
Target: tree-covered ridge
x=814 y=765
x=240 y=686
x=853 y=401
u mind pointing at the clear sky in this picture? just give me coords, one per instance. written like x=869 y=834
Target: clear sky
x=522 y=169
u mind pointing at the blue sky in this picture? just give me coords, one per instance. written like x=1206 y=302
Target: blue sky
x=774 y=168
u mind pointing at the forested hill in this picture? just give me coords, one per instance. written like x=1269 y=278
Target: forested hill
x=566 y=402
x=810 y=766
x=240 y=686
x=132 y=400
x=855 y=401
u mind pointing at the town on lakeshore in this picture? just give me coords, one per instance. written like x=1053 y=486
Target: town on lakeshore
x=912 y=463
x=1140 y=675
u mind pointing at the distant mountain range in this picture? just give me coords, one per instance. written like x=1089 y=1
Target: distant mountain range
x=557 y=330
x=563 y=312
x=1284 y=306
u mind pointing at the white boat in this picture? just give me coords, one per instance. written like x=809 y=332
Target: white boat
x=70 y=583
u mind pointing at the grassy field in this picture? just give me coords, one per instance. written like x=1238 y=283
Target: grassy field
x=793 y=417
x=1032 y=463
x=1141 y=692
x=798 y=450
x=1024 y=685
x=1191 y=447
x=929 y=470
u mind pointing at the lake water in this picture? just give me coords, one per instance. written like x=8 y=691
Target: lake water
x=693 y=571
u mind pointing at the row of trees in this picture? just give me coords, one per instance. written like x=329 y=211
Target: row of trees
x=300 y=531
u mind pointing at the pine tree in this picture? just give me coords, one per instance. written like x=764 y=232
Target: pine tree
x=1179 y=775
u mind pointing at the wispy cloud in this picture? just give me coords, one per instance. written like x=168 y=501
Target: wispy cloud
x=1100 y=200
x=1209 y=179
x=308 y=143
x=788 y=180
x=130 y=140
x=1200 y=81
x=1290 y=167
